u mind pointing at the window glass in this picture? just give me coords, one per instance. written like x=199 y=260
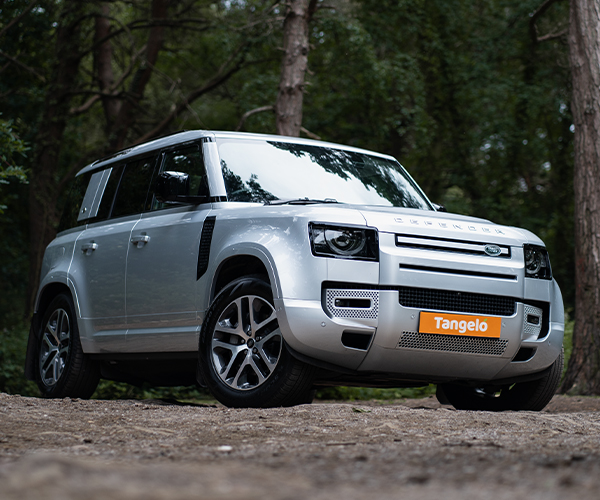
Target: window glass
x=73 y=202
x=109 y=193
x=265 y=171
x=188 y=161
x=133 y=188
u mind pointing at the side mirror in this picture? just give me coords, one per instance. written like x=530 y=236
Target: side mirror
x=439 y=208
x=174 y=187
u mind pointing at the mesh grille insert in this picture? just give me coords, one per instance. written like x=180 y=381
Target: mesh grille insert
x=341 y=296
x=452 y=343
x=444 y=300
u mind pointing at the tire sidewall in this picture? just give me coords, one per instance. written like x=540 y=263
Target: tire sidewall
x=62 y=301
x=264 y=394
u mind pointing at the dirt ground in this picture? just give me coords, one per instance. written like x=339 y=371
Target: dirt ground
x=414 y=449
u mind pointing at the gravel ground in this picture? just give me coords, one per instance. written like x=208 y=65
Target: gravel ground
x=413 y=449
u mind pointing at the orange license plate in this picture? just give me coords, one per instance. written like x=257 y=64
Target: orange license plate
x=460 y=324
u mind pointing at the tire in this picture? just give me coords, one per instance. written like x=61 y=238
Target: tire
x=62 y=369
x=242 y=354
x=522 y=396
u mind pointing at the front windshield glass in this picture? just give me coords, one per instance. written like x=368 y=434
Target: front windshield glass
x=266 y=171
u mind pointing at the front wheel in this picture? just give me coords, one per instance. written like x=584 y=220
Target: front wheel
x=522 y=396
x=243 y=356
x=63 y=370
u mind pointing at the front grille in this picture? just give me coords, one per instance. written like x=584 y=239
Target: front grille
x=465 y=302
x=452 y=343
x=421 y=242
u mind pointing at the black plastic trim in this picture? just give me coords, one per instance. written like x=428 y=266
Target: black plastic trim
x=204 y=248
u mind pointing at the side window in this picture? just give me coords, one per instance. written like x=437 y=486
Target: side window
x=109 y=193
x=132 y=193
x=187 y=161
x=73 y=202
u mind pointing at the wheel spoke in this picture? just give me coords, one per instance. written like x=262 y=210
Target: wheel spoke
x=55 y=346
x=256 y=326
x=257 y=371
x=246 y=342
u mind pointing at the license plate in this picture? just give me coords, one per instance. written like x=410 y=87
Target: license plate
x=460 y=324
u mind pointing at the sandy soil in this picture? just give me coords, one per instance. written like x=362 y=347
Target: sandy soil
x=415 y=449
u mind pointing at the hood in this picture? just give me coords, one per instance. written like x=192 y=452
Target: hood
x=445 y=225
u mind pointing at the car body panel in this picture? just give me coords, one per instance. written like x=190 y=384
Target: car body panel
x=139 y=289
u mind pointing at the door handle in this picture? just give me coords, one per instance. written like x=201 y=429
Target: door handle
x=88 y=248
x=140 y=240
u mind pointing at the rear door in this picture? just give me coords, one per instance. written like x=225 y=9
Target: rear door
x=100 y=259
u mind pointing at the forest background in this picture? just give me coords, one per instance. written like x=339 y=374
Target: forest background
x=473 y=97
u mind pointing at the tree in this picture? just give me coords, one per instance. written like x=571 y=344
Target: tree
x=288 y=108
x=108 y=53
x=46 y=184
x=583 y=373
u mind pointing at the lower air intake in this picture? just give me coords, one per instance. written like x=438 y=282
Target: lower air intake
x=452 y=343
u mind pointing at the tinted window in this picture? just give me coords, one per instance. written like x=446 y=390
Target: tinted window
x=73 y=202
x=133 y=188
x=109 y=193
x=188 y=161
x=270 y=170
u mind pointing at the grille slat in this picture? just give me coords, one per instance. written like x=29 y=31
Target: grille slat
x=465 y=302
x=452 y=343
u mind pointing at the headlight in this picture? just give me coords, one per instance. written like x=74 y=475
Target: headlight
x=537 y=262
x=344 y=242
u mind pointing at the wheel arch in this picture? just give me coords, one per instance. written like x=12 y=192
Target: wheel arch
x=45 y=297
x=236 y=267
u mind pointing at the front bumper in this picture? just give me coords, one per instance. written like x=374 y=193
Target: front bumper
x=393 y=345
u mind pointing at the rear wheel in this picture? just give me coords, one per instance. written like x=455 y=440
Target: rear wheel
x=529 y=396
x=243 y=356
x=63 y=370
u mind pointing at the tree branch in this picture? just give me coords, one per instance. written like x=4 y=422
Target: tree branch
x=19 y=17
x=24 y=66
x=533 y=18
x=552 y=36
x=254 y=111
x=217 y=80
x=310 y=134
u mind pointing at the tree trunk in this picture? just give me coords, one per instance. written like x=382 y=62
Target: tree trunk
x=288 y=108
x=103 y=57
x=141 y=78
x=583 y=374
x=45 y=175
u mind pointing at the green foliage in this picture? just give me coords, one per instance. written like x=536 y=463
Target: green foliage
x=456 y=90
x=368 y=393
x=13 y=344
x=568 y=341
x=11 y=146
x=119 y=390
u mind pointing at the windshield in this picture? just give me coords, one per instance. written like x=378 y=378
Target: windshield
x=263 y=171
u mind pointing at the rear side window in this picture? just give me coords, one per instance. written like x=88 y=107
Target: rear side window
x=132 y=194
x=73 y=202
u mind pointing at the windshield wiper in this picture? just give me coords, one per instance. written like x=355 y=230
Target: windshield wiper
x=300 y=201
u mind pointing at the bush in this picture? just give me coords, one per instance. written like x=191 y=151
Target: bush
x=366 y=393
x=12 y=362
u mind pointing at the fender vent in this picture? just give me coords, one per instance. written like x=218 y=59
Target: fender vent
x=204 y=250
x=452 y=343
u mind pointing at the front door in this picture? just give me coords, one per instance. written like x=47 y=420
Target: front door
x=162 y=264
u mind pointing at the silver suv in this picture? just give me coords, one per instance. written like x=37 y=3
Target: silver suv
x=262 y=267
